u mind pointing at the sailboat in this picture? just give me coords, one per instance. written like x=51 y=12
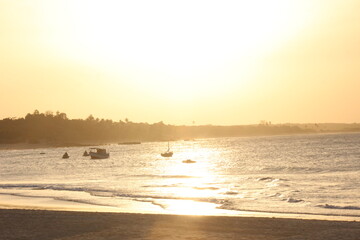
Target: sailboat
x=168 y=153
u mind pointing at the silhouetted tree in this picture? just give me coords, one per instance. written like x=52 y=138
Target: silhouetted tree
x=90 y=118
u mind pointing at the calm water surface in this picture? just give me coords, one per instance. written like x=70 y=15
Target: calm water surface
x=302 y=174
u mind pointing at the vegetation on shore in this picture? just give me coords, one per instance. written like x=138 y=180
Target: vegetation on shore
x=59 y=129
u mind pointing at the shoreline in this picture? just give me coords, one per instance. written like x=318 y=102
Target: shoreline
x=27 y=146
x=65 y=225
x=16 y=202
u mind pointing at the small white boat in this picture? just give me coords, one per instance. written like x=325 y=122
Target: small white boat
x=98 y=153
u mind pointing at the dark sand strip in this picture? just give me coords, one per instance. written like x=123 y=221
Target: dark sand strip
x=41 y=225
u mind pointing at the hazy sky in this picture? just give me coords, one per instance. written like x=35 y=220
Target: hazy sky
x=212 y=62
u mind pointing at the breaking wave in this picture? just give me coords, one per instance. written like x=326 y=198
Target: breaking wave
x=329 y=206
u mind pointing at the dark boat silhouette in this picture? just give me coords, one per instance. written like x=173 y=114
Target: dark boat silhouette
x=189 y=161
x=168 y=153
x=98 y=153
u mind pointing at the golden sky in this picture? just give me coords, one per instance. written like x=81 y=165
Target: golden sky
x=212 y=62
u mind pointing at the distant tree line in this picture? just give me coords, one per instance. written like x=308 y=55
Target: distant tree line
x=57 y=128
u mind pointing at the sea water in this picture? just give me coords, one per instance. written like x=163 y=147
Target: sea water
x=302 y=175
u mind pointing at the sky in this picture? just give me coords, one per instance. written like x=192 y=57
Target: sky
x=182 y=62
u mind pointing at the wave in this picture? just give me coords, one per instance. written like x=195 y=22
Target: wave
x=164 y=176
x=231 y=193
x=275 y=195
x=98 y=196
x=229 y=205
x=329 y=206
x=58 y=187
x=293 y=200
x=6 y=186
x=270 y=179
x=61 y=199
x=96 y=192
x=178 y=186
x=162 y=186
x=206 y=188
x=153 y=202
x=294 y=169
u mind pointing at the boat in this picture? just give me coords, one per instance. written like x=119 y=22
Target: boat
x=66 y=155
x=98 y=153
x=168 y=153
x=189 y=161
x=85 y=154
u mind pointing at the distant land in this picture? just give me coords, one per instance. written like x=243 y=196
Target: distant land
x=55 y=129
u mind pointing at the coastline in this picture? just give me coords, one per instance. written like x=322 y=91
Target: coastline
x=26 y=145
x=44 y=224
x=44 y=145
x=23 y=146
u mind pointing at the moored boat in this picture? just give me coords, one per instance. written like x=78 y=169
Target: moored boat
x=98 y=153
x=189 y=161
x=168 y=153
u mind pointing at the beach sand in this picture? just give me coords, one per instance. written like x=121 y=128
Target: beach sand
x=41 y=225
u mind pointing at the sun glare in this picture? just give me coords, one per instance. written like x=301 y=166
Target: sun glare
x=165 y=46
x=189 y=207
x=196 y=181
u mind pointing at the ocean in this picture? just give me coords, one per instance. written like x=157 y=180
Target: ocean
x=306 y=176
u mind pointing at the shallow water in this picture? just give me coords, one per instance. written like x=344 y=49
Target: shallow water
x=301 y=174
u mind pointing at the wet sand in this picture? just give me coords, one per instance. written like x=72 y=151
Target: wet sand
x=41 y=225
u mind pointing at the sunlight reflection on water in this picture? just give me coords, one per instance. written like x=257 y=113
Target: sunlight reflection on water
x=284 y=174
